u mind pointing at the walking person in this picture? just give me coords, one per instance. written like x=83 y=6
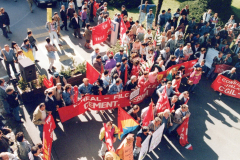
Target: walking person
x=30 y=3
x=6 y=19
x=51 y=56
x=12 y=99
x=32 y=41
x=3 y=96
x=76 y=23
x=9 y=58
x=84 y=17
x=70 y=12
x=27 y=48
x=3 y=26
x=52 y=30
x=88 y=36
x=57 y=20
x=150 y=18
x=63 y=17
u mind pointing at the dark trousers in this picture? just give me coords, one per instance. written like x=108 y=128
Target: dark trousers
x=7 y=63
x=70 y=23
x=84 y=23
x=77 y=32
x=4 y=32
x=64 y=25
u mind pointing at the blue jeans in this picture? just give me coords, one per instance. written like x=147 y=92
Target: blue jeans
x=149 y=25
x=173 y=127
x=15 y=112
x=191 y=88
x=40 y=128
x=211 y=72
x=161 y=28
x=6 y=106
x=142 y=17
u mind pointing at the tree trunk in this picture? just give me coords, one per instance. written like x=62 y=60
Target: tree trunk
x=160 y=2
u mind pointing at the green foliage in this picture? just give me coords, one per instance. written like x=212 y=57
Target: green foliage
x=34 y=84
x=115 y=48
x=40 y=79
x=23 y=85
x=80 y=68
x=67 y=73
x=127 y=3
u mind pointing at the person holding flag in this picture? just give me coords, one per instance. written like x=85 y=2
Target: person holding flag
x=166 y=118
x=155 y=124
x=124 y=70
x=111 y=130
x=85 y=88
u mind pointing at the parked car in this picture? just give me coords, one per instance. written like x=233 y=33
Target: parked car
x=45 y=3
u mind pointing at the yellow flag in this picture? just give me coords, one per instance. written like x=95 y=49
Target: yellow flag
x=49 y=14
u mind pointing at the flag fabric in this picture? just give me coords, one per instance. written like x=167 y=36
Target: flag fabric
x=183 y=133
x=126 y=123
x=95 y=8
x=100 y=32
x=163 y=102
x=126 y=76
x=75 y=98
x=108 y=139
x=48 y=83
x=149 y=116
x=92 y=74
x=123 y=30
x=173 y=107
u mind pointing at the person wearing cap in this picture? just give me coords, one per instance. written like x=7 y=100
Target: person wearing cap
x=85 y=88
x=12 y=99
x=150 y=18
x=58 y=78
x=124 y=11
x=119 y=55
x=155 y=124
x=57 y=20
x=144 y=10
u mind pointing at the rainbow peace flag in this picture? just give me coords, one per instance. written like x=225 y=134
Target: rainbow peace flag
x=126 y=123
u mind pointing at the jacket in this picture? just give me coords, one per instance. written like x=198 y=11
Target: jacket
x=118 y=57
x=172 y=45
x=48 y=27
x=4 y=144
x=113 y=88
x=114 y=129
x=150 y=18
x=114 y=71
x=11 y=100
x=140 y=138
x=76 y=24
x=97 y=65
x=234 y=48
x=37 y=115
x=148 y=6
x=88 y=34
x=23 y=148
x=161 y=115
x=185 y=21
x=3 y=94
x=51 y=104
x=216 y=61
x=204 y=29
x=6 y=18
x=85 y=89
x=178 y=116
x=70 y=12
x=67 y=98
x=63 y=15
x=161 y=19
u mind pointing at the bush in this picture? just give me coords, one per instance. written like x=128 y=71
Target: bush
x=23 y=85
x=128 y=3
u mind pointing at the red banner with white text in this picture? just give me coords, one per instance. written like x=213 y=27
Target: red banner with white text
x=48 y=128
x=100 y=32
x=222 y=67
x=227 y=86
x=48 y=83
x=94 y=102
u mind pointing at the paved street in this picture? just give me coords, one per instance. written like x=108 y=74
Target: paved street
x=214 y=125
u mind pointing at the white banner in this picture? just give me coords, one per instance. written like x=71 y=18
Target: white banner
x=134 y=94
x=211 y=53
x=156 y=137
x=144 y=148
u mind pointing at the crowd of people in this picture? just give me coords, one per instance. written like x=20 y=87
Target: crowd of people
x=178 y=39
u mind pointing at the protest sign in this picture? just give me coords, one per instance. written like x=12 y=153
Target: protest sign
x=211 y=53
x=48 y=128
x=222 y=67
x=100 y=32
x=134 y=94
x=156 y=137
x=227 y=86
x=144 y=148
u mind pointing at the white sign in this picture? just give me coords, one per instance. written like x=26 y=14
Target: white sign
x=211 y=53
x=156 y=137
x=134 y=94
x=144 y=148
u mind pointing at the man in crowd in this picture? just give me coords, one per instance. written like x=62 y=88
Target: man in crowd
x=166 y=118
x=39 y=116
x=58 y=78
x=231 y=74
x=144 y=10
x=150 y=18
x=57 y=20
x=119 y=55
x=155 y=124
x=70 y=14
x=144 y=80
x=169 y=88
x=200 y=55
x=207 y=16
x=171 y=43
x=3 y=26
x=134 y=113
x=51 y=104
x=32 y=41
x=36 y=153
x=131 y=84
x=85 y=88
x=116 y=70
x=202 y=65
x=116 y=87
x=162 y=20
x=179 y=51
x=63 y=18
x=9 y=58
x=76 y=23
x=216 y=60
x=4 y=143
x=52 y=30
x=3 y=96
x=6 y=20
x=23 y=146
x=111 y=63
x=170 y=62
x=124 y=66
x=97 y=63
x=95 y=53
x=124 y=11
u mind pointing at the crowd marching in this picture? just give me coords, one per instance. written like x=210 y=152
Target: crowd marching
x=178 y=39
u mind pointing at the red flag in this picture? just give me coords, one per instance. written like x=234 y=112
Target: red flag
x=100 y=32
x=155 y=43
x=47 y=83
x=173 y=107
x=75 y=98
x=92 y=74
x=183 y=133
x=126 y=76
x=149 y=116
x=48 y=128
x=163 y=102
x=123 y=30
x=108 y=139
x=95 y=7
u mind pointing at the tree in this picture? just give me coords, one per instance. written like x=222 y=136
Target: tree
x=160 y=2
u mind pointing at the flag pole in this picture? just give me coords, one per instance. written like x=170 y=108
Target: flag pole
x=153 y=113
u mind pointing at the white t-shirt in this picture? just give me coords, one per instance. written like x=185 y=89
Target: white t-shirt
x=200 y=58
x=44 y=114
x=79 y=3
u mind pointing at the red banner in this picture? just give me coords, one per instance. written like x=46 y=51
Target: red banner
x=123 y=29
x=183 y=133
x=108 y=139
x=92 y=74
x=163 y=102
x=227 y=86
x=222 y=67
x=149 y=117
x=48 y=128
x=94 y=102
x=47 y=83
x=75 y=98
x=100 y=32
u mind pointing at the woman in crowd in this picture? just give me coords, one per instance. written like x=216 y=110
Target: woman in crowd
x=172 y=74
x=194 y=79
x=149 y=35
x=15 y=47
x=20 y=55
x=136 y=46
x=140 y=32
x=88 y=36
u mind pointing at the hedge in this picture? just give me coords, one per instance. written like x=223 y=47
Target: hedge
x=128 y=3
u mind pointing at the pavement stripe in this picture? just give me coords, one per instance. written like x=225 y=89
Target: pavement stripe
x=41 y=35
x=36 y=28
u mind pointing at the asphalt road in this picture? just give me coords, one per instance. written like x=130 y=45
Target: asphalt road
x=214 y=125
